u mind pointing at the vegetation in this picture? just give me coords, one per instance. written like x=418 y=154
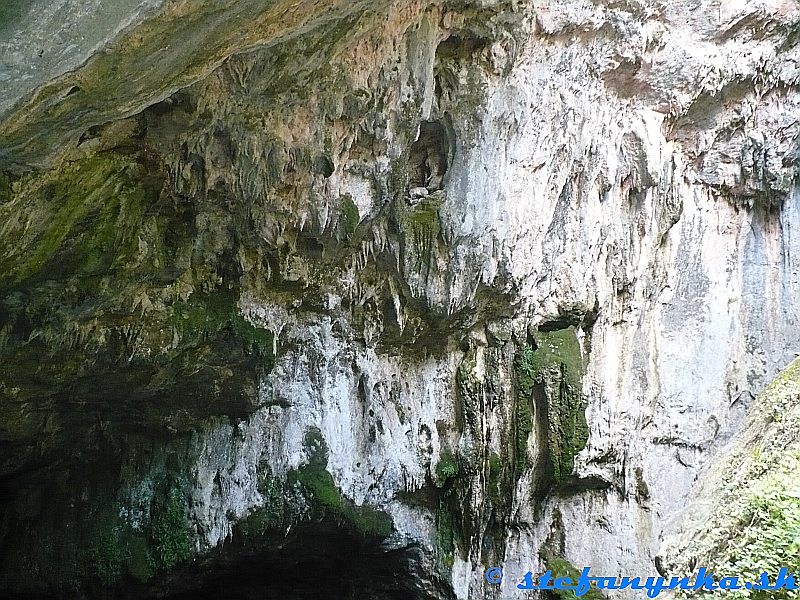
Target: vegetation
x=445 y=534
x=493 y=482
x=561 y=567
x=555 y=364
x=170 y=532
x=112 y=208
x=420 y=227
x=273 y=514
x=523 y=408
x=447 y=468
x=318 y=486
x=108 y=555
x=115 y=549
x=754 y=525
x=328 y=500
x=769 y=535
x=349 y=218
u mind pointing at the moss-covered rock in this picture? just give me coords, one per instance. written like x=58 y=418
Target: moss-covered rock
x=114 y=292
x=88 y=542
x=523 y=407
x=108 y=554
x=309 y=492
x=447 y=467
x=420 y=228
x=349 y=217
x=561 y=567
x=169 y=530
x=548 y=378
x=328 y=502
x=744 y=516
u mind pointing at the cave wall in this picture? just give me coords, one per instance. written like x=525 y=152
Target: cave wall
x=225 y=317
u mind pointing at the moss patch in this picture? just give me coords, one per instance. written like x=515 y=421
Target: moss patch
x=753 y=523
x=108 y=554
x=447 y=467
x=494 y=480
x=445 y=535
x=170 y=532
x=99 y=203
x=109 y=550
x=420 y=228
x=310 y=492
x=526 y=374
x=129 y=293
x=349 y=217
x=322 y=490
x=549 y=374
x=561 y=567
x=274 y=513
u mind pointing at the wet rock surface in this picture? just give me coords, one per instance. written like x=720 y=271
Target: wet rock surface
x=238 y=339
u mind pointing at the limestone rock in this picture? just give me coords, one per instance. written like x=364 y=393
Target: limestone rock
x=225 y=331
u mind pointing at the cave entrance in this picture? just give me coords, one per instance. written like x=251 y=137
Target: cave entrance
x=316 y=561
x=428 y=162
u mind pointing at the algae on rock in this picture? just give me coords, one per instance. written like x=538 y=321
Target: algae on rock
x=549 y=396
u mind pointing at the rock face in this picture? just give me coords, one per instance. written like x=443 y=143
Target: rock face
x=433 y=285
x=744 y=514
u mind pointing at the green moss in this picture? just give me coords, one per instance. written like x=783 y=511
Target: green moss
x=97 y=200
x=466 y=380
x=445 y=534
x=108 y=554
x=494 y=479
x=420 y=226
x=561 y=567
x=6 y=192
x=447 y=467
x=558 y=350
x=349 y=217
x=316 y=447
x=273 y=514
x=169 y=529
x=319 y=486
x=257 y=340
x=322 y=500
x=322 y=490
x=495 y=467
x=523 y=408
x=129 y=292
x=113 y=549
x=206 y=315
x=556 y=364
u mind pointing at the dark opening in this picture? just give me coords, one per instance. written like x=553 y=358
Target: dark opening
x=323 y=165
x=428 y=162
x=318 y=560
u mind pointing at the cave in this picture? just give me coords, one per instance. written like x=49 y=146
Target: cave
x=316 y=560
x=329 y=552
x=428 y=159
